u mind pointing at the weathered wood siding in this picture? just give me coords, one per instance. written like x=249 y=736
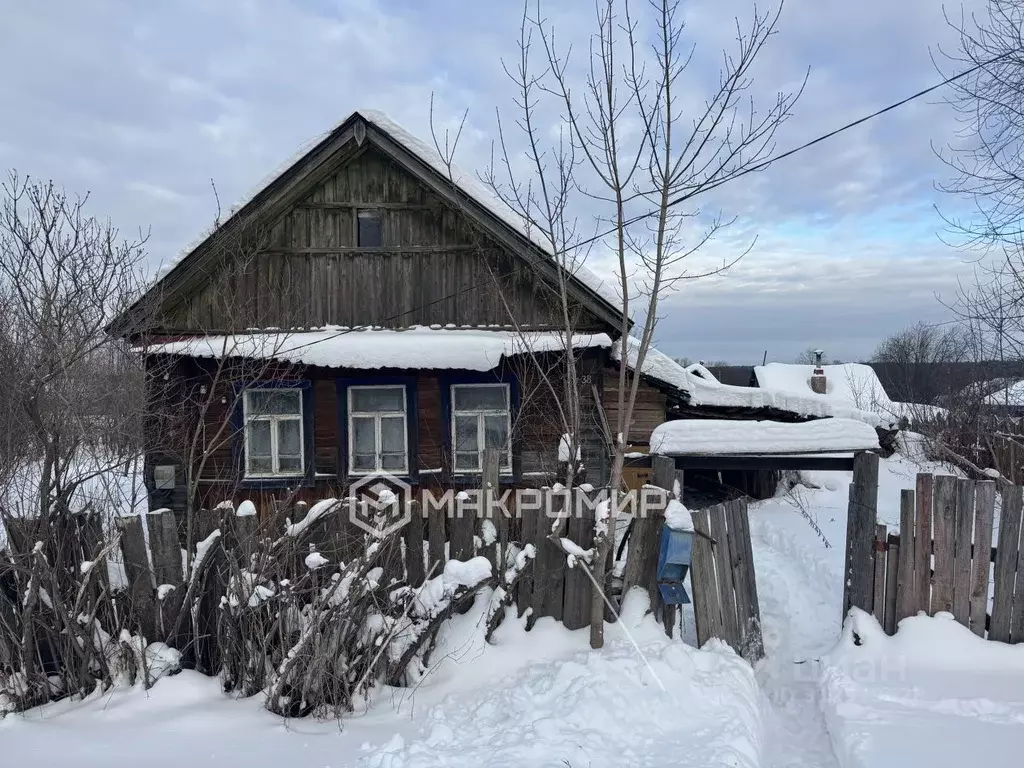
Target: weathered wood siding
x=648 y=411
x=306 y=269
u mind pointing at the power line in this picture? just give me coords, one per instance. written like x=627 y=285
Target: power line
x=684 y=197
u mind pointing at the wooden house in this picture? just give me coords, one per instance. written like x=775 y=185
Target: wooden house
x=372 y=310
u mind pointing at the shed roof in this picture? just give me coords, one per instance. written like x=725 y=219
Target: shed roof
x=719 y=437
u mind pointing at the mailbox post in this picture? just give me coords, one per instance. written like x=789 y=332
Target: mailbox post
x=673 y=562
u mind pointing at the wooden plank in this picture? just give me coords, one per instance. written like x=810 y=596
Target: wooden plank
x=437 y=536
x=923 y=539
x=754 y=650
x=984 y=509
x=1017 y=615
x=892 y=564
x=1004 y=570
x=944 y=524
x=738 y=564
x=962 y=548
x=723 y=570
x=462 y=524
x=578 y=587
x=878 y=579
x=860 y=533
x=164 y=546
x=528 y=523
x=415 y=570
x=549 y=568
x=782 y=463
x=706 y=611
x=906 y=591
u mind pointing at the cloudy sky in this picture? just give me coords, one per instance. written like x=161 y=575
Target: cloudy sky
x=142 y=104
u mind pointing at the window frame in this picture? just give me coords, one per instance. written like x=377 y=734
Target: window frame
x=506 y=467
x=377 y=416
x=274 y=419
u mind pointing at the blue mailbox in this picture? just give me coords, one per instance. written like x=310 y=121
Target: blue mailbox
x=673 y=563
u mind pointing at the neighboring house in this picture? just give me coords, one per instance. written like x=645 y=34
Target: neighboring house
x=422 y=329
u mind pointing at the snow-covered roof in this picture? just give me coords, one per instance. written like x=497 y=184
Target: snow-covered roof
x=704 y=389
x=474 y=349
x=853 y=390
x=714 y=437
x=465 y=182
x=1012 y=395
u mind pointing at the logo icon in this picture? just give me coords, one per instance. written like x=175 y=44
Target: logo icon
x=381 y=504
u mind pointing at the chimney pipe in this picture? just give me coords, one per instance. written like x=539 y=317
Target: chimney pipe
x=819 y=384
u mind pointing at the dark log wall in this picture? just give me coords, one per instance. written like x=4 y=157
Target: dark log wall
x=536 y=428
x=308 y=271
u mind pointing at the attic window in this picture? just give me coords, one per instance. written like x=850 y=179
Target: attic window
x=368 y=234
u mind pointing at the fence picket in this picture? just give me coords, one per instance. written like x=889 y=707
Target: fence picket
x=706 y=609
x=944 y=523
x=923 y=537
x=906 y=591
x=878 y=580
x=860 y=532
x=754 y=641
x=892 y=565
x=965 y=492
x=984 y=508
x=1006 y=564
x=723 y=571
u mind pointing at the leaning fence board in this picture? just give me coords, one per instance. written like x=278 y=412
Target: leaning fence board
x=437 y=535
x=576 y=603
x=944 y=525
x=738 y=567
x=878 y=582
x=984 y=507
x=906 y=593
x=892 y=565
x=755 y=640
x=923 y=535
x=461 y=525
x=164 y=547
x=706 y=610
x=723 y=570
x=1017 y=615
x=528 y=528
x=962 y=551
x=549 y=567
x=1004 y=572
x=860 y=533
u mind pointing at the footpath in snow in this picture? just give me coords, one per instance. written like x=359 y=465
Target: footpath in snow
x=532 y=699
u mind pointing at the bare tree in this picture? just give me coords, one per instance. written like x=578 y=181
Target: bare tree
x=632 y=152
x=919 y=362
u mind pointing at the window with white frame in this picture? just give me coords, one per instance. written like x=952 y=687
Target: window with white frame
x=377 y=433
x=274 y=444
x=481 y=419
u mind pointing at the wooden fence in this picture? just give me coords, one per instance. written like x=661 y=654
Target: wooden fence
x=942 y=558
x=723 y=584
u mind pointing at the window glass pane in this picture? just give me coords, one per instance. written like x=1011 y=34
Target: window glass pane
x=465 y=433
x=260 y=465
x=364 y=438
x=263 y=402
x=363 y=462
x=259 y=438
x=467 y=461
x=289 y=464
x=480 y=398
x=369 y=234
x=376 y=400
x=393 y=462
x=496 y=433
x=289 y=442
x=392 y=434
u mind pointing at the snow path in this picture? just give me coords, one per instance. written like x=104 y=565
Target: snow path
x=800 y=622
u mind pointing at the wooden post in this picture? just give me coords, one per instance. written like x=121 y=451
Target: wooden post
x=436 y=532
x=923 y=543
x=753 y=642
x=984 y=510
x=1004 y=571
x=944 y=514
x=962 y=551
x=415 y=571
x=906 y=585
x=487 y=523
x=878 y=582
x=892 y=564
x=164 y=546
x=860 y=534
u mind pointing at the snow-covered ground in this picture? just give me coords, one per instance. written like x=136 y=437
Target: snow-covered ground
x=933 y=695
x=537 y=699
